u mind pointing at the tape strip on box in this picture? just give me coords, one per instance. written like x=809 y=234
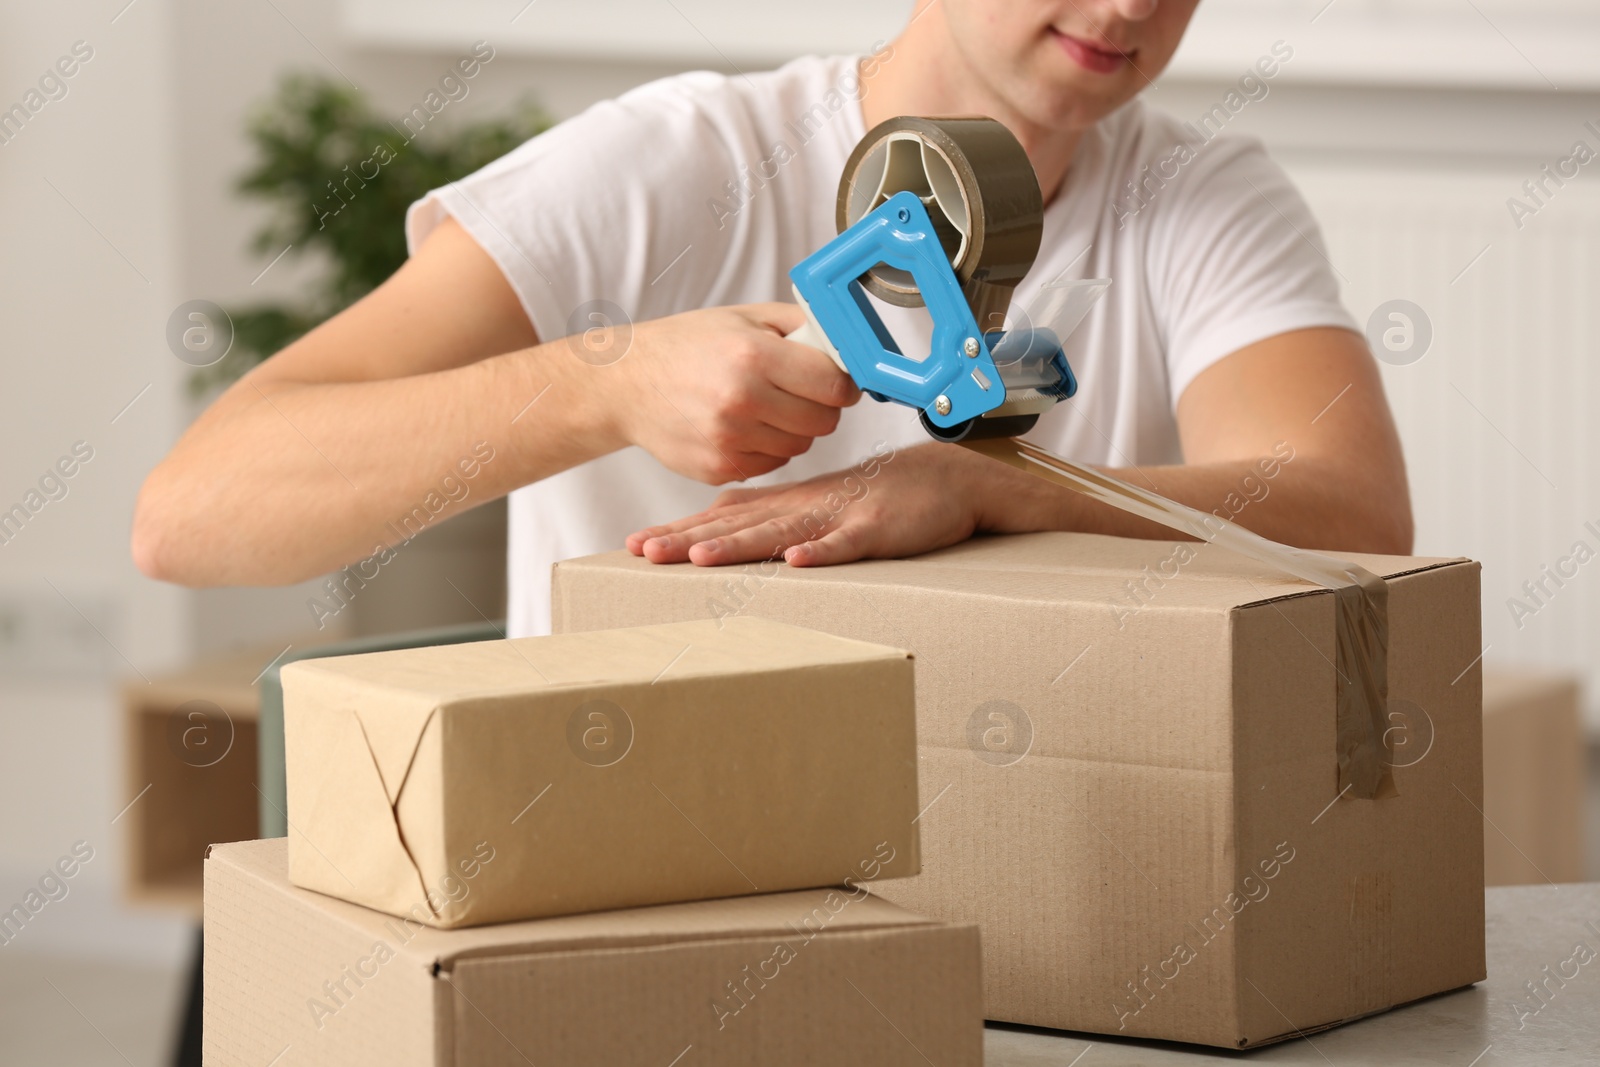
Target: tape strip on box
x=1361 y=617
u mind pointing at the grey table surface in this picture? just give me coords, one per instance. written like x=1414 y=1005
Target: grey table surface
x=1489 y=1025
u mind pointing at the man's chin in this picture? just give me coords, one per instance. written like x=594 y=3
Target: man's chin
x=1057 y=94
x=1067 y=107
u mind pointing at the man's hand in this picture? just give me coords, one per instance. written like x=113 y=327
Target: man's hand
x=718 y=395
x=896 y=504
x=1289 y=437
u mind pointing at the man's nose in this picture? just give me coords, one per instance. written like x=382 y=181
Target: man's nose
x=1134 y=10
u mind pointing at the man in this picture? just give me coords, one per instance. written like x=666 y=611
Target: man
x=601 y=312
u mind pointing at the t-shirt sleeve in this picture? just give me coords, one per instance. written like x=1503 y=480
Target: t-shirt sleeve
x=1235 y=258
x=594 y=209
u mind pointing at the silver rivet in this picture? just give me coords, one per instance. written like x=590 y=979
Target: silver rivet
x=942 y=405
x=970 y=347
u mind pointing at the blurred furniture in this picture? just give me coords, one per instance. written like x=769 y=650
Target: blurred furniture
x=1534 y=764
x=190 y=742
x=450 y=574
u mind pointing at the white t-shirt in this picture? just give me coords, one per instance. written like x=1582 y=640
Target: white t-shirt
x=702 y=190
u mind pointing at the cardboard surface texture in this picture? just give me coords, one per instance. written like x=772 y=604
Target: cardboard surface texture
x=1128 y=765
x=645 y=766
x=1533 y=777
x=809 y=977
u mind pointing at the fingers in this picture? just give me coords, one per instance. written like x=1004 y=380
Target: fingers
x=761 y=541
x=779 y=317
x=635 y=541
x=671 y=545
x=714 y=541
x=746 y=434
x=792 y=414
x=710 y=539
x=842 y=545
x=808 y=373
x=733 y=467
x=799 y=368
x=719 y=512
x=758 y=439
x=729 y=497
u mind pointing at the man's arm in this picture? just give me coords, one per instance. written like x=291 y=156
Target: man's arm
x=303 y=464
x=1311 y=394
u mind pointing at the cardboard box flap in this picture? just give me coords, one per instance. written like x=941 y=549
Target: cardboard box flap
x=347 y=782
x=636 y=655
x=782 y=914
x=1078 y=554
x=1042 y=567
x=350 y=814
x=1386 y=567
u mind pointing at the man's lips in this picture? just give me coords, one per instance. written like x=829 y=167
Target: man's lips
x=1094 y=57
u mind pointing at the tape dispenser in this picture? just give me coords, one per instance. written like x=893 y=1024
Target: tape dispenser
x=945 y=214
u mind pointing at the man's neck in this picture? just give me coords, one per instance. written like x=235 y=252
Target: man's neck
x=927 y=75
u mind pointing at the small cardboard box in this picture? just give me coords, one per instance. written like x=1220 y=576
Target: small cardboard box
x=190 y=744
x=606 y=770
x=812 y=977
x=1533 y=777
x=1129 y=772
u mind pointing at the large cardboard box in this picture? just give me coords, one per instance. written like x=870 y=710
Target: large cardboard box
x=608 y=770
x=812 y=977
x=1533 y=777
x=1129 y=772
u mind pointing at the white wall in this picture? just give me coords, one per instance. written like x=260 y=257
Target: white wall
x=1410 y=185
x=86 y=281
x=146 y=145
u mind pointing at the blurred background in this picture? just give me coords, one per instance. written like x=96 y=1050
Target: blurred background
x=1445 y=147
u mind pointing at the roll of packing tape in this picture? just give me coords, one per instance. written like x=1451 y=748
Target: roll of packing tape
x=990 y=229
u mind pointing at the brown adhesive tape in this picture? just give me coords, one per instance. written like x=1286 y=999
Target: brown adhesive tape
x=1361 y=599
x=982 y=195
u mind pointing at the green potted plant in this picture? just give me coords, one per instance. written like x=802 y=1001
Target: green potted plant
x=318 y=143
x=338 y=178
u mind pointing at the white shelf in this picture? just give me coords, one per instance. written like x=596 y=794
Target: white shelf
x=720 y=32
x=1489 y=44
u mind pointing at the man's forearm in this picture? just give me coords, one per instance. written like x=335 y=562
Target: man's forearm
x=1303 y=500
x=284 y=481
